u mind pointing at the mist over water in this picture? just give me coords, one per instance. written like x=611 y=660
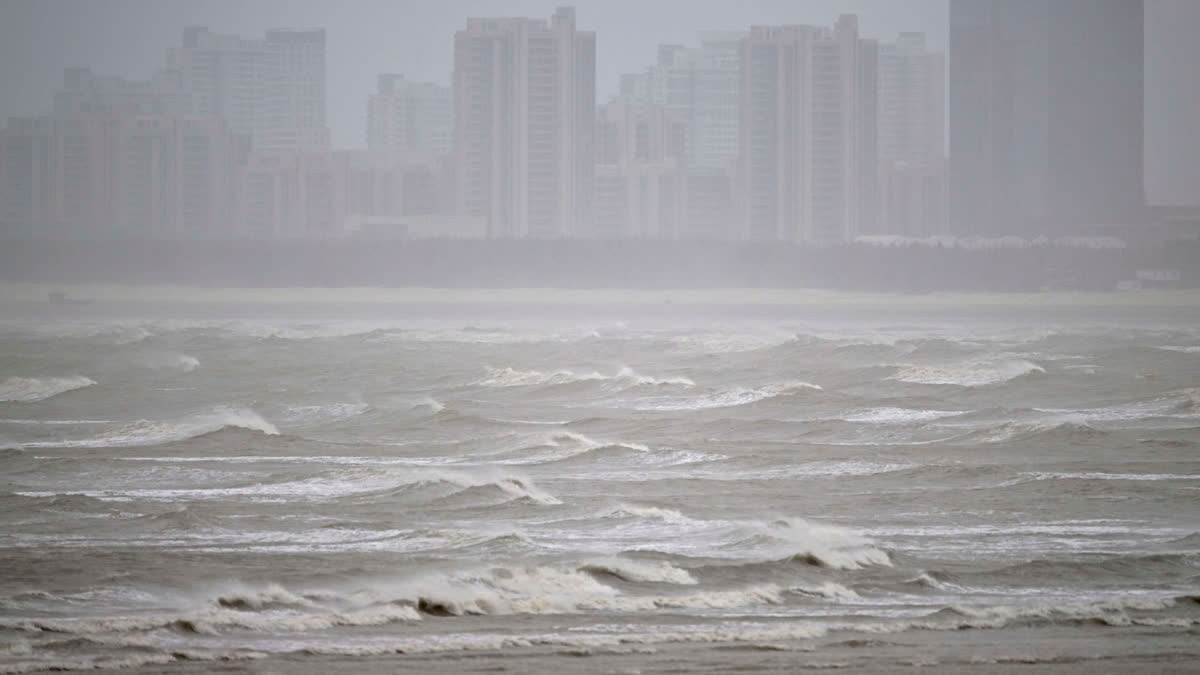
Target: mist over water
x=832 y=484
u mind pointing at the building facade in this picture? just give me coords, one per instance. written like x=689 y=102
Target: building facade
x=807 y=132
x=1046 y=115
x=698 y=85
x=410 y=116
x=640 y=173
x=270 y=89
x=103 y=174
x=911 y=140
x=524 y=114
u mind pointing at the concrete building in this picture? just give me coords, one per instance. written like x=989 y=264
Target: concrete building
x=912 y=102
x=640 y=174
x=302 y=60
x=173 y=176
x=807 y=132
x=270 y=89
x=409 y=116
x=911 y=139
x=1046 y=115
x=323 y=194
x=83 y=92
x=101 y=174
x=912 y=200
x=524 y=113
x=698 y=85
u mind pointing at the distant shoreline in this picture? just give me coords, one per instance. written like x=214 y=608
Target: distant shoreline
x=32 y=292
x=633 y=267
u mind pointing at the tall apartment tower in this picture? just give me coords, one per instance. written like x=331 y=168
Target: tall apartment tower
x=1046 y=119
x=698 y=85
x=912 y=137
x=83 y=92
x=270 y=89
x=404 y=115
x=98 y=173
x=302 y=81
x=807 y=132
x=912 y=102
x=524 y=116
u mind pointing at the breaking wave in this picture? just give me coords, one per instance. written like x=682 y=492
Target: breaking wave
x=510 y=377
x=733 y=397
x=149 y=432
x=565 y=445
x=30 y=389
x=641 y=572
x=171 y=361
x=968 y=374
x=635 y=511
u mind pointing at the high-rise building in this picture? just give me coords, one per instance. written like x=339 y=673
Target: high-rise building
x=698 y=85
x=270 y=89
x=83 y=92
x=99 y=173
x=640 y=173
x=807 y=132
x=173 y=176
x=912 y=102
x=406 y=115
x=302 y=61
x=524 y=114
x=1046 y=119
x=912 y=132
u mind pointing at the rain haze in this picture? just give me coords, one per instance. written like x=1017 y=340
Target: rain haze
x=620 y=336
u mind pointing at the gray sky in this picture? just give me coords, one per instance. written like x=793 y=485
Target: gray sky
x=38 y=38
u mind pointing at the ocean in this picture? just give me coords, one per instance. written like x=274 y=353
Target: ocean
x=594 y=485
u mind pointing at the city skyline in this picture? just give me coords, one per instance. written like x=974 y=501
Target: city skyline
x=812 y=133
x=131 y=38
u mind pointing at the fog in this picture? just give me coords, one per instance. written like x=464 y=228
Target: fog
x=658 y=336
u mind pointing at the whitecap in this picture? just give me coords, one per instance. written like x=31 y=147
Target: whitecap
x=31 y=389
x=968 y=374
x=153 y=432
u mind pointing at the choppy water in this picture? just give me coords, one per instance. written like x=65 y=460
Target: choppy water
x=251 y=481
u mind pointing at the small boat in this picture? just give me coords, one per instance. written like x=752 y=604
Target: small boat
x=59 y=298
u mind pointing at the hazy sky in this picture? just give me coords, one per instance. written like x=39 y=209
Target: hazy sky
x=38 y=38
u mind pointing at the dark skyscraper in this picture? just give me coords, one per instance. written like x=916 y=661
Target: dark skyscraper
x=1046 y=125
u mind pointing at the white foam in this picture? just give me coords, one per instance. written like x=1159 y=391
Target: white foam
x=1099 y=475
x=30 y=389
x=562 y=445
x=148 y=432
x=641 y=572
x=826 y=545
x=171 y=361
x=340 y=483
x=428 y=403
x=510 y=377
x=323 y=414
x=636 y=511
x=551 y=590
x=969 y=373
x=887 y=415
x=733 y=397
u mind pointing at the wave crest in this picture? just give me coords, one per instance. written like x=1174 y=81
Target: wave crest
x=626 y=376
x=968 y=374
x=31 y=389
x=641 y=572
x=152 y=432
